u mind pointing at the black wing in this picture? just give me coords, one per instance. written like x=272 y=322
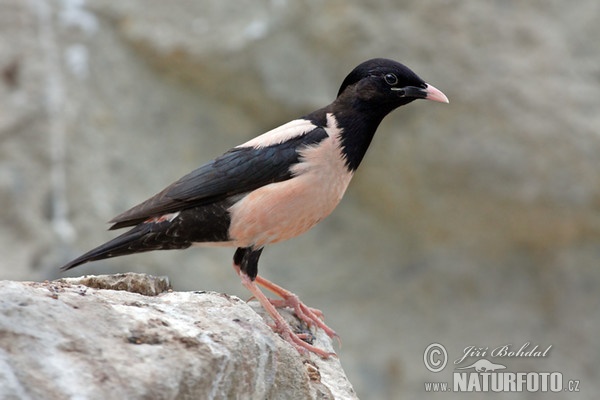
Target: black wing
x=240 y=170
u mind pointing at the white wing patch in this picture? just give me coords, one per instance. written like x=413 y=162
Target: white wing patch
x=280 y=134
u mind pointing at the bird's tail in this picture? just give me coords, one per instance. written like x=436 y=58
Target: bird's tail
x=142 y=238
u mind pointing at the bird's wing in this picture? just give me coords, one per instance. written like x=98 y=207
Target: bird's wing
x=240 y=170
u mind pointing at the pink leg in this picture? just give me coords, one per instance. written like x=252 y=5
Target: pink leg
x=281 y=326
x=309 y=315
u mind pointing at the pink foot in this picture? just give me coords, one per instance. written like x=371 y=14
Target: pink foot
x=311 y=316
x=281 y=326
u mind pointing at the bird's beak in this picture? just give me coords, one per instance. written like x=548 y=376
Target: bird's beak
x=435 y=94
x=429 y=93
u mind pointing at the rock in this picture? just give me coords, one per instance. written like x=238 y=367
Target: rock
x=64 y=339
x=144 y=284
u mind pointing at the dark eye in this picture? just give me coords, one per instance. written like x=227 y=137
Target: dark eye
x=391 y=79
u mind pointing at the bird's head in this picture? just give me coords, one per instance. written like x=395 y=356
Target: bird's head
x=385 y=85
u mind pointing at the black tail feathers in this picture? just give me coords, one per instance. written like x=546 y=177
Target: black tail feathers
x=141 y=238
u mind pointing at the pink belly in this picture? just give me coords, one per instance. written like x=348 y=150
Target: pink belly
x=283 y=210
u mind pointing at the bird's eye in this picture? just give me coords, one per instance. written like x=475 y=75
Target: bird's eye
x=391 y=79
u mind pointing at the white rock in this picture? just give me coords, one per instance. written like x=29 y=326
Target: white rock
x=62 y=339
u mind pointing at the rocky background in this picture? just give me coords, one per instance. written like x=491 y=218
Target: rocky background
x=469 y=224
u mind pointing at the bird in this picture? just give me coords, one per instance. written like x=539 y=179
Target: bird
x=272 y=188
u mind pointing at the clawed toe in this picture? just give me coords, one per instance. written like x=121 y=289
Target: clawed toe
x=311 y=317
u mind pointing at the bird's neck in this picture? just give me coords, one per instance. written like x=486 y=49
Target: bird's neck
x=356 y=134
x=356 y=127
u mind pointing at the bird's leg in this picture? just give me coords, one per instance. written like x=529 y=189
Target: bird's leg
x=309 y=315
x=281 y=326
x=245 y=261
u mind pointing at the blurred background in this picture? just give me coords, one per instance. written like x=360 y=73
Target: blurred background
x=475 y=223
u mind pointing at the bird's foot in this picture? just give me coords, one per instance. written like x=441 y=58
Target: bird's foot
x=297 y=340
x=310 y=316
x=300 y=341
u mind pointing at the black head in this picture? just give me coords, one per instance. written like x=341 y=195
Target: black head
x=370 y=92
x=385 y=85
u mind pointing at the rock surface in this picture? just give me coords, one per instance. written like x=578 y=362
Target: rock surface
x=64 y=339
x=471 y=223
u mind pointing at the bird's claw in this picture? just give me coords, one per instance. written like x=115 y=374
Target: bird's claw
x=302 y=342
x=310 y=316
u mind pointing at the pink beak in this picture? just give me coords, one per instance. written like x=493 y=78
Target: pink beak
x=434 y=94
